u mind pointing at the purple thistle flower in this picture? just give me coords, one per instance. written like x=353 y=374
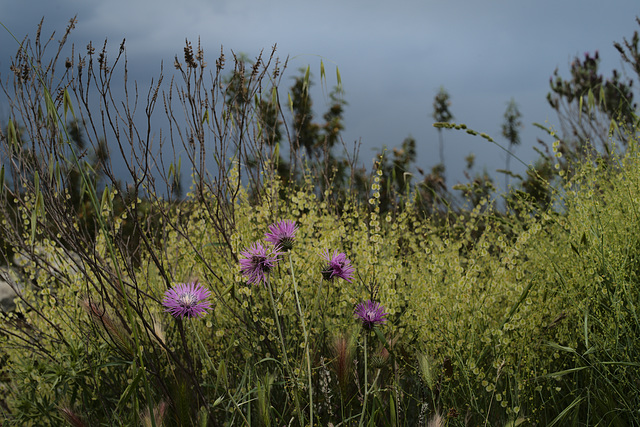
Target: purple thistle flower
x=258 y=261
x=338 y=265
x=370 y=314
x=187 y=299
x=282 y=234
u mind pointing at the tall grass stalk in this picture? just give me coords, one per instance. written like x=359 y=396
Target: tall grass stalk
x=306 y=338
x=283 y=346
x=366 y=382
x=196 y=333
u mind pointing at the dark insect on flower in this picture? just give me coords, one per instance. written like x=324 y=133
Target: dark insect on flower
x=282 y=234
x=258 y=261
x=338 y=265
x=187 y=299
x=371 y=314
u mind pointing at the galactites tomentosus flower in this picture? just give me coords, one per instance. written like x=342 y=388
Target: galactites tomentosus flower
x=338 y=265
x=282 y=234
x=187 y=299
x=258 y=261
x=371 y=314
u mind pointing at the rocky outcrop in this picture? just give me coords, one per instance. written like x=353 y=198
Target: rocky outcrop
x=9 y=284
x=14 y=278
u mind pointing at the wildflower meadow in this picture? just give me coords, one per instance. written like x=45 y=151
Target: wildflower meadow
x=220 y=274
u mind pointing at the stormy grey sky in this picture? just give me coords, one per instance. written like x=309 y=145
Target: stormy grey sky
x=393 y=55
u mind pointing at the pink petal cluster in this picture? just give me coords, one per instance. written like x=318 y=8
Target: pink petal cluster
x=370 y=314
x=338 y=265
x=282 y=234
x=187 y=299
x=258 y=261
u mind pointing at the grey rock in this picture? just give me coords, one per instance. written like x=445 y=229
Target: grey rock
x=9 y=284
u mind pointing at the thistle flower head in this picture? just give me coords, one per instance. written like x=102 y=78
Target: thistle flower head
x=187 y=299
x=282 y=234
x=371 y=314
x=338 y=265
x=258 y=261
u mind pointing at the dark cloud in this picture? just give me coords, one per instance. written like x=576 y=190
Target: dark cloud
x=393 y=56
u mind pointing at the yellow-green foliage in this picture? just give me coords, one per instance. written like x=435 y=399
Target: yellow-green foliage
x=498 y=305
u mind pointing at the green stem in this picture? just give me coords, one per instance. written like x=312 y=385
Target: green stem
x=237 y=407
x=306 y=339
x=204 y=349
x=284 y=352
x=366 y=385
x=317 y=304
x=213 y=369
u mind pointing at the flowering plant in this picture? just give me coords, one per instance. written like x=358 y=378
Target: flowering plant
x=187 y=299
